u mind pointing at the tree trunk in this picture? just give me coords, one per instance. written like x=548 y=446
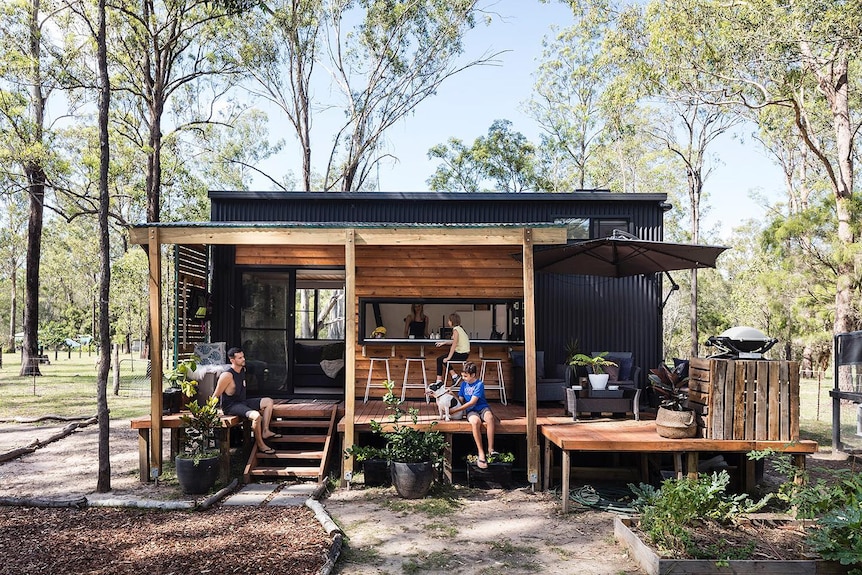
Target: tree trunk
x=103 y=483
x=34 y=170
x=30 y=346
x=13 y=309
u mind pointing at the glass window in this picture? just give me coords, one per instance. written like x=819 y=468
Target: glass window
x=576 y=228
x=319 y=313
x=604 y=228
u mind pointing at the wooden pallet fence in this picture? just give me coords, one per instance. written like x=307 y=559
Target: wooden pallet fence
x=746 y=399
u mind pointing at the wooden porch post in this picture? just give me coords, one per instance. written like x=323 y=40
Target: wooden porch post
x=155 y=256
x=533 y=453
x=350 y=331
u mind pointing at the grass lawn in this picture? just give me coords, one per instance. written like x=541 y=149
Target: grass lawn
x=67 y=387
x=818 y=426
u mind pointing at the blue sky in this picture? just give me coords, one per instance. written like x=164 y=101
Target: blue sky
x=466 y=105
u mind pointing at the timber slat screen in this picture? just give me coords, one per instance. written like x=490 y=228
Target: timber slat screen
x=192 y=263
x=746 y=399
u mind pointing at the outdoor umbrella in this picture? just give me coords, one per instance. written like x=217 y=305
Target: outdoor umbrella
x=619 y=256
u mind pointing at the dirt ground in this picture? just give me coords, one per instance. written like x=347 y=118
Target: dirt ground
x=471 y=532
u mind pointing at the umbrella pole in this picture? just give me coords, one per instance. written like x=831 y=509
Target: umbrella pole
x=673 y=287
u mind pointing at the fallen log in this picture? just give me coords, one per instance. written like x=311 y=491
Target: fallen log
x=144 y=504
x=66 y=431
x=45 y=418
x=216 y=497
x=18 y=452
x=77 y=502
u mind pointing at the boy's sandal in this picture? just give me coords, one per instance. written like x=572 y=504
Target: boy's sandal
x=481 y=464
x=267 y=451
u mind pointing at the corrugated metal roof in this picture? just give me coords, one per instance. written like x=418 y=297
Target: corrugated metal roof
x=580 y=195
x=340 y=225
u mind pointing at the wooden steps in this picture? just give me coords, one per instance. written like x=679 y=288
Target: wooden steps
x=303 y=450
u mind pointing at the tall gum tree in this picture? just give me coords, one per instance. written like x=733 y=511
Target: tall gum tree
x=800 y=58
x=375 y=62
x=27 y=69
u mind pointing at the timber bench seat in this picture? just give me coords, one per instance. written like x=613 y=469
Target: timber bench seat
x=641 y=437
x=174 y=423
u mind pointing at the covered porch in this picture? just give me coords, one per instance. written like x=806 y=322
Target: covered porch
x=378 y=261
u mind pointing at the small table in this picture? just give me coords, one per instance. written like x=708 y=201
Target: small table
x=578 y=402
x=174 y=422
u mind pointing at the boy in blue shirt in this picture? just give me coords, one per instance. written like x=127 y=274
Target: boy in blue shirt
x=472 y=394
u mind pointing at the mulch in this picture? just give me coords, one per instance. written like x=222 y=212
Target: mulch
x=100 y=541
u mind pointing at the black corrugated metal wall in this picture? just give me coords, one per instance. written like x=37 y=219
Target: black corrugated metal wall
x=602 y=314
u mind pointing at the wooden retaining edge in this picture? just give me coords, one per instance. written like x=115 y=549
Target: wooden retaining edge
x=652 y=564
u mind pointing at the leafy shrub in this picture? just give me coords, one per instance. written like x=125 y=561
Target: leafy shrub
x=839 y=536
x=667 y=513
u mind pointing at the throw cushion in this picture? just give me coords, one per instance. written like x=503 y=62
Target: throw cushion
x=307 y=353
x=210 y=353
x=332 y=351
x=613 y=372
x=624 y=367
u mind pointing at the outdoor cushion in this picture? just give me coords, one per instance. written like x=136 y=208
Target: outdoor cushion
x=307 y=353
x=613 y=372
x=210 y=353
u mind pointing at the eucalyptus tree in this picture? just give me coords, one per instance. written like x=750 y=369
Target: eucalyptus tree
x=504 y=160
x=160 y=49
x=13 y=234
x=374 y=62
x=654 y=69
x=570 y=85
x=800 y=58
x=31 y=63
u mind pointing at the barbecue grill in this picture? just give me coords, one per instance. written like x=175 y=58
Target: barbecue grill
x=740 y=343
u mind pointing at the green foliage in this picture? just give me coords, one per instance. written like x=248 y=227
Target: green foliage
x=667 y=514
x=200 y=424
x=364 y=452
x=670 y=386
x=838 y=536
x=504 y=159
x=596 y=363
x=408 y=443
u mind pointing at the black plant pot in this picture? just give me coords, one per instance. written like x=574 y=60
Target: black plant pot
x=496 y=476
x=196 y=479
x=172 y=400
x=376 y=472
x=412 y=480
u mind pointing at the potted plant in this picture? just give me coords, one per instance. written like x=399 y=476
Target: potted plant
x=498 y=474
x=173 y=396
x=375 y=466
x=197 y=465
x=674 y=419
x=413 y=453
x=597 y=363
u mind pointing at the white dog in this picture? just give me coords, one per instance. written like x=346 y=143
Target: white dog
x=445 y=401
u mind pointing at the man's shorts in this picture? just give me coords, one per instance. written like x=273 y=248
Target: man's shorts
x=245 y=408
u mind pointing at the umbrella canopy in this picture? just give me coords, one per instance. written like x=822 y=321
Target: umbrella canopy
x=620 y=256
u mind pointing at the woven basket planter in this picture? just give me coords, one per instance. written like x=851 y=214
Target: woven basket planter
x=675 y=424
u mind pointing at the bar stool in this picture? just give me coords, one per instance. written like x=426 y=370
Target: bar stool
x=500 y=384
x=368 y=384
x=423 y=386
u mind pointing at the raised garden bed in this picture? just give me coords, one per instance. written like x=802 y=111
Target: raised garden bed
x=652 y=564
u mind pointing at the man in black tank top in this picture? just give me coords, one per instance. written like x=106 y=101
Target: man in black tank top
x=230 y=389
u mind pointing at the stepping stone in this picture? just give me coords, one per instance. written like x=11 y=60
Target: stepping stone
x=251 y=494
x=293 y=495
